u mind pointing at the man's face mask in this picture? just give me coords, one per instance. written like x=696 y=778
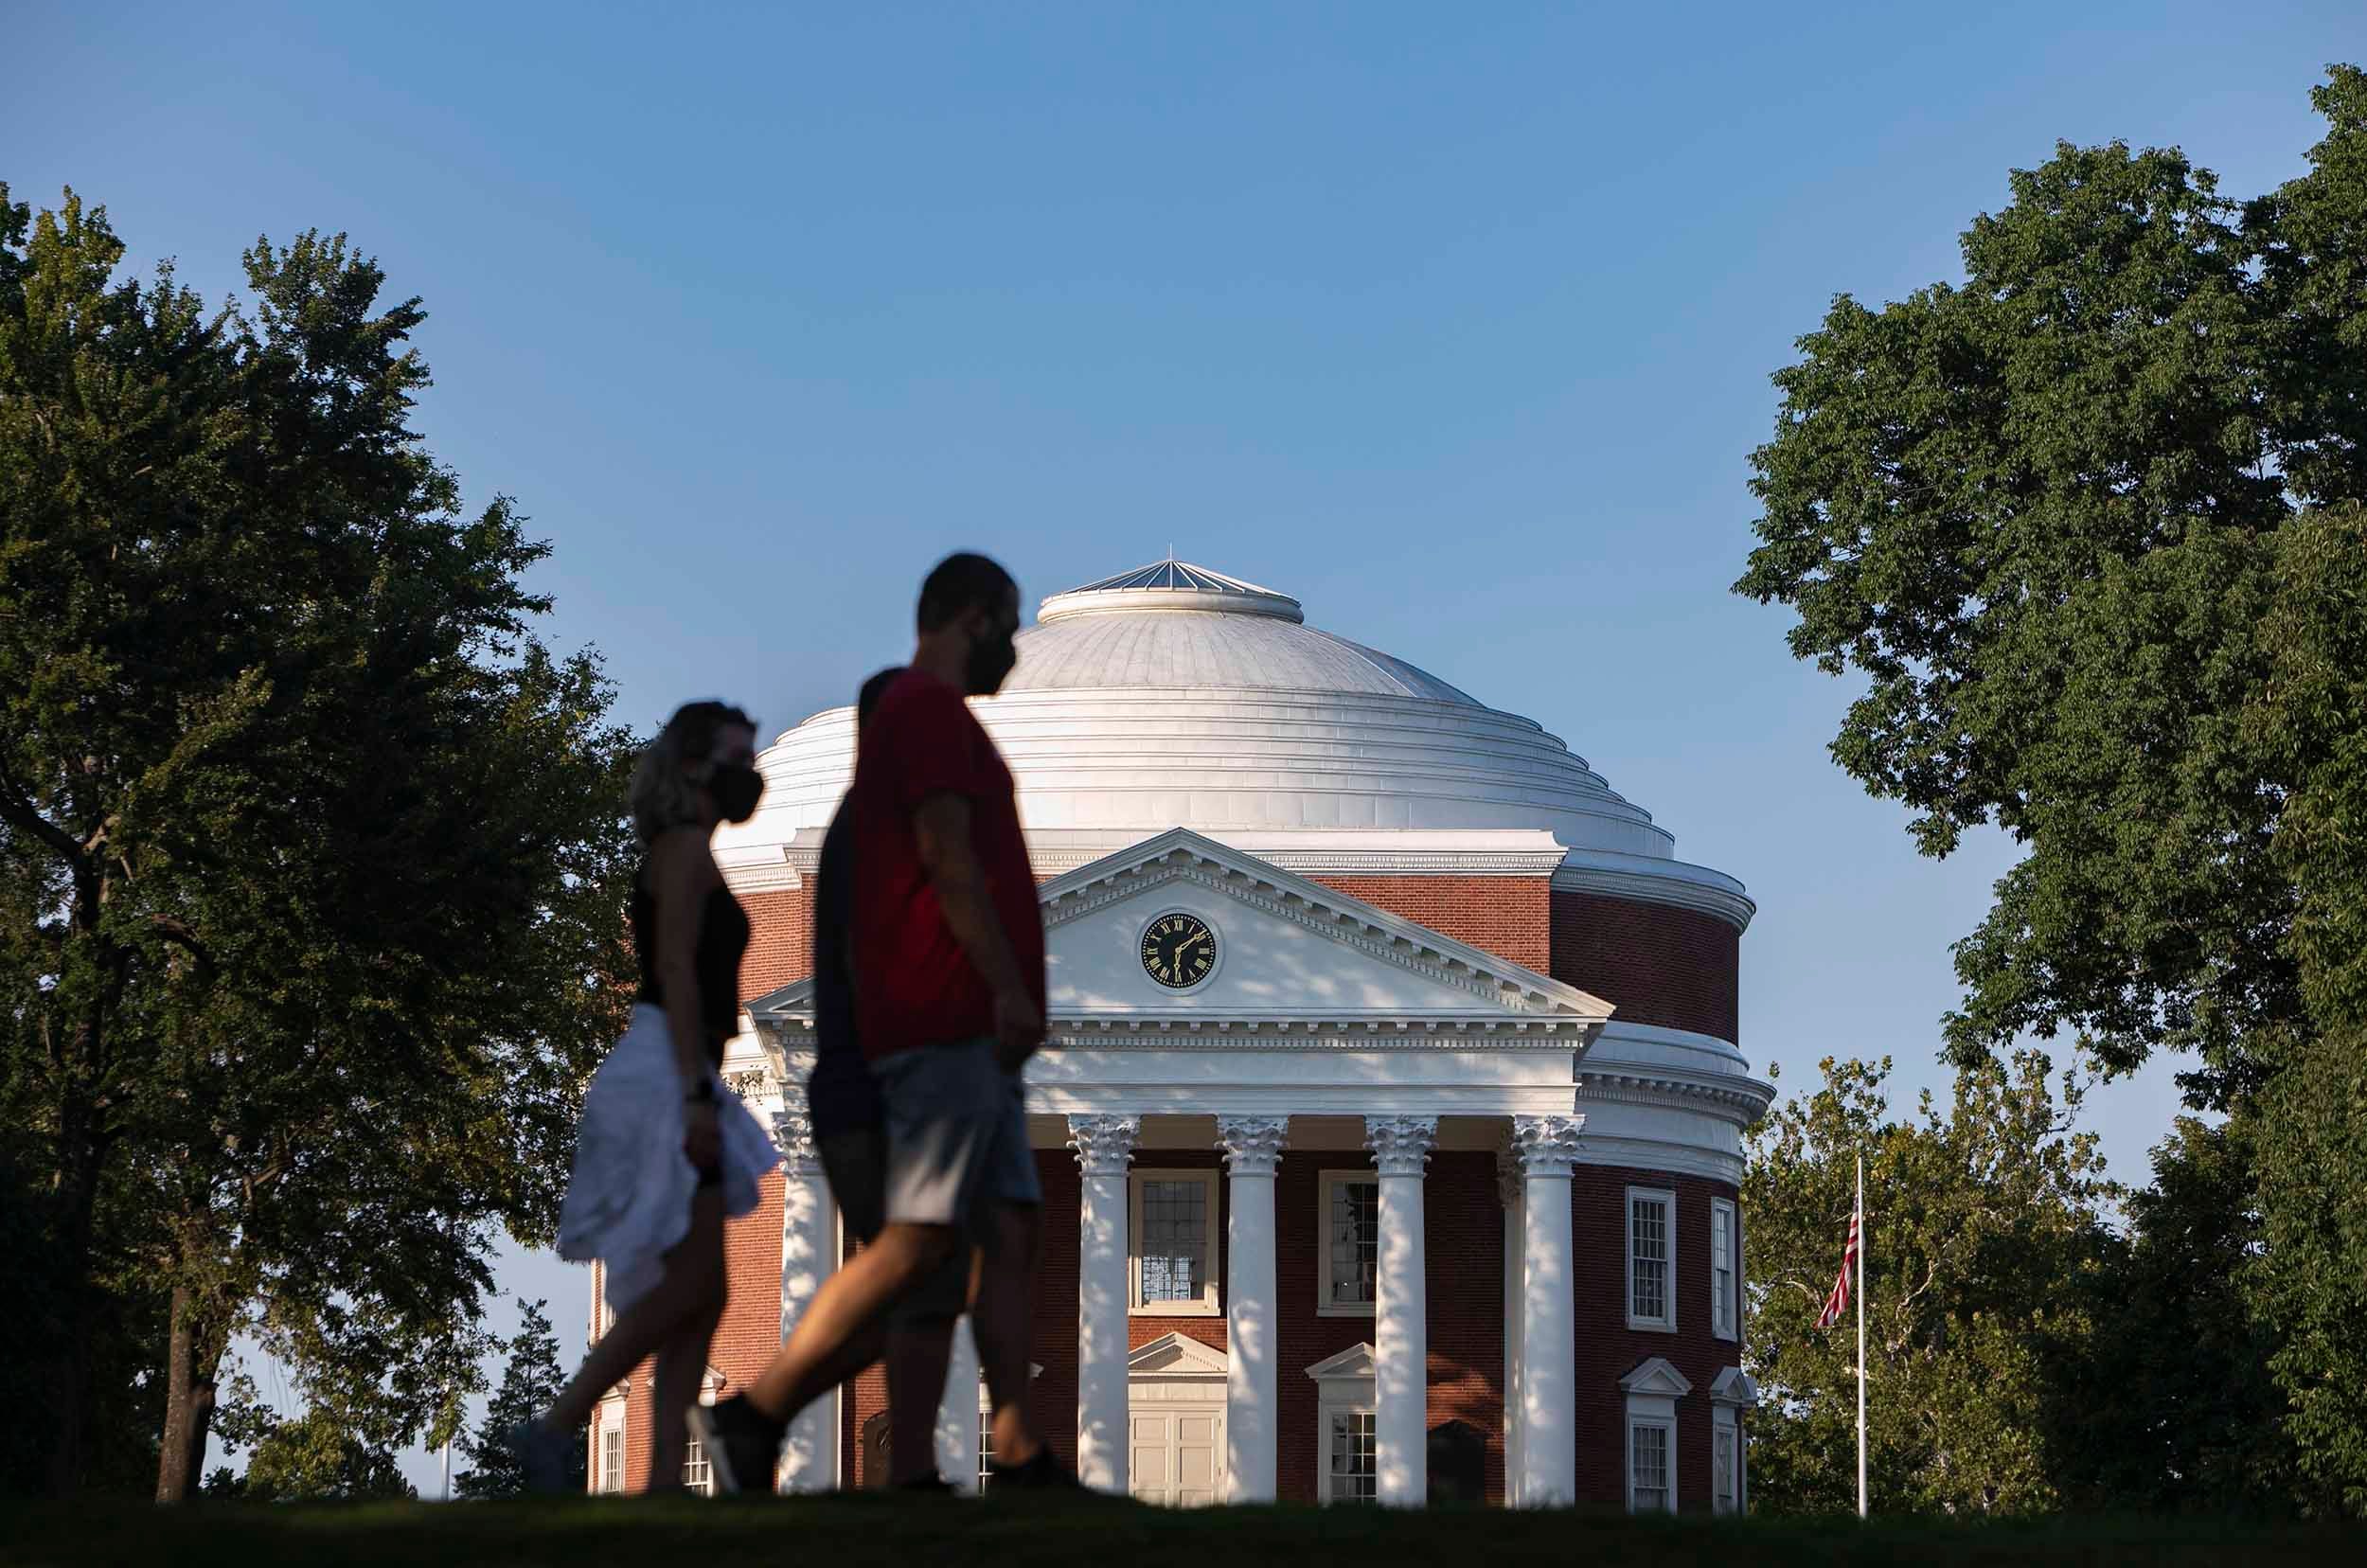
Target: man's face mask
x=992 y=658
x=737 y=787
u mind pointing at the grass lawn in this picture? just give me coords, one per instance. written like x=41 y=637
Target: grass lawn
x=868 y=1529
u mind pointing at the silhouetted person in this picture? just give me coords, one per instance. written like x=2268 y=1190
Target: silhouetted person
x=949 y=990
x=664 y=1151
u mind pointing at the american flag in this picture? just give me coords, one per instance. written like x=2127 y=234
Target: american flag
x=1839 y=1301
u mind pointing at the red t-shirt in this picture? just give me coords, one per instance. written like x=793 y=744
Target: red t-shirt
x=914 y=985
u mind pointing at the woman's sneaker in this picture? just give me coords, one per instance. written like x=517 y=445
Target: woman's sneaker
x=742 y=1443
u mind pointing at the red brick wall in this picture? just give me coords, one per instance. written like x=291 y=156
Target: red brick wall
x=780 y=941
x=1676 y=967
x=744 y=1340
x=1506 y=916
x=1607 y=1349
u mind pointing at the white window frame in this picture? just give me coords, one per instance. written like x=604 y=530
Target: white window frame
x=608 y=1478
x=1652 y=1391
x=1726 y=1304
x=1725 y=1429
x=1667 y=1323
x=1733 y=1393
x=1344 y=1385
x=1208 y=1304
x=698 y=1471
x=1666 y=1424
x=1332 y=1415
x=1326 y=1183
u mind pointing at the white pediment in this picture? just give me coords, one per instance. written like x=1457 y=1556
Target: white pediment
x=1657 y=1378
x=1735 y=1388
x=1175 y=1356
x=1290 y=953
x=1287 y=949
x=1355 y=1361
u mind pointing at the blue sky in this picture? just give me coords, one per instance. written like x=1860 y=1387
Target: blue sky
x=1454 y=322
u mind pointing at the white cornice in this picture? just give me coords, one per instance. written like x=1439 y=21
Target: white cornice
x=1647 y=879
x=1732 y=1098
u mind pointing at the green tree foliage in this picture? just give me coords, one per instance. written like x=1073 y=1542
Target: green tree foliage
x=1986 y=1233
x=2173 y=1409
x=309 y=848
x=313 y=1458
x=2085 y=523
x=531 y=1379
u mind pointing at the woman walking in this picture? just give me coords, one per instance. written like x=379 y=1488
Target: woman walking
x=665 y=1152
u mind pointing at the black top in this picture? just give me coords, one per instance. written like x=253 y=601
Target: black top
x=839 y=1096
x=722 y=941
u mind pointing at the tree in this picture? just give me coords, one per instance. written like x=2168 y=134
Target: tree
x=2174 y=1408
x=1985 y=1225
x=311 y=1458
x=530 y=1381
x=2311 y=722
x=310 y=852
x=2074 y=522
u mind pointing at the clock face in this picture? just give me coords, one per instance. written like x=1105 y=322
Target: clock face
x=1178 y=951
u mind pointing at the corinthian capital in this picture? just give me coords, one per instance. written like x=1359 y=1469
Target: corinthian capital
x=1104 y=1145
x=792 y=1135
x=1400 y=1144
x=1546 y=1146
x=1252 y=1144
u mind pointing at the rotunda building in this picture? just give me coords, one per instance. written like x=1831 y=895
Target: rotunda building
x=1391 y=1119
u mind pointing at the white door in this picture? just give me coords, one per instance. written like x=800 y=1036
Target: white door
x=1177 y=1456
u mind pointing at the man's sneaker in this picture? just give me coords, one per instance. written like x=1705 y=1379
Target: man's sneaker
x=743 y=1444
x=1041 y=1473
x=546 y=1456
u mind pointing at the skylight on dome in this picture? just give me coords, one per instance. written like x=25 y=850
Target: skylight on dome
x=1174 y=575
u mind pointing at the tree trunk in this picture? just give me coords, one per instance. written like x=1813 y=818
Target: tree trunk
x=192 y=1361
x=81 y=1154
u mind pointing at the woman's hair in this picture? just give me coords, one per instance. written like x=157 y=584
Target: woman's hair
x=662 y=798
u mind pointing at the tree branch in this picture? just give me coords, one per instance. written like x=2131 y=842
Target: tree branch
x=17 y=811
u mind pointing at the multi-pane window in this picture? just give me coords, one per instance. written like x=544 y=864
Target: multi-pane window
x=1349 y=1468
x=1651 y=1259
x=1648 y=1490
x=1175 y=1237
x=612 y=1458
x=1725 y=1273
x=1173 y=1231
x=1725 y=1497
x=697 y=1474
x=986 y=1444
x=1351 y=1241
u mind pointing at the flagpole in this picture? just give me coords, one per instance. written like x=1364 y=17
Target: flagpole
x=1861 y=1246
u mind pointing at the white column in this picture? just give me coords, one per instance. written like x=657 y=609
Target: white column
x=1401 y=1147
x=1252 y=1146
x=1546 y=1148
x=1516 y=1247
x=809 y=1256
x=957 y=1412
x=1105 y=1146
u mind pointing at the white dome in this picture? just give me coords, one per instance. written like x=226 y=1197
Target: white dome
x=1174 y=696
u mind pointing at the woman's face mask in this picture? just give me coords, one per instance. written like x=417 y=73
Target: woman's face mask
x=737 y=788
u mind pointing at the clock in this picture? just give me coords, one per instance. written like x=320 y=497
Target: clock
x=1178 y=951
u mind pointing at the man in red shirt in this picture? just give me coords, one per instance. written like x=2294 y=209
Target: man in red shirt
x=948 y=947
